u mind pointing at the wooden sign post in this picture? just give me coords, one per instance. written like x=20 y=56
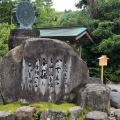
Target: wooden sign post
x=102 y=62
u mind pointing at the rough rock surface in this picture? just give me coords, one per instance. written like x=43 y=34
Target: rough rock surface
x=75 y=112
x=96 y=97
x=96 y=115
x=1 y=100
x=41 y=70
x=117 y=114
x=115 y=98
x=25 y=113
x=6 y=116
x=112 y=113
x=53 y=115
x=18 y=36
x=93 y=80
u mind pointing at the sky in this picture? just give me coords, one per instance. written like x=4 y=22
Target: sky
x=61 y=5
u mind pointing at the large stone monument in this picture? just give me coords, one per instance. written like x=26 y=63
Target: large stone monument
x=37 y=69
x=41 y=70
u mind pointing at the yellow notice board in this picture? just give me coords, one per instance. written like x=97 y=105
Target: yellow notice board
x=103 y=60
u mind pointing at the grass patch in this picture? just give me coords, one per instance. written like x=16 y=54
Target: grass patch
x=85 y=111
x=10 y=107
x=42 y=106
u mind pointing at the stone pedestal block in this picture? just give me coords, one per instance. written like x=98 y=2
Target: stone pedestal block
x=18 y=36
x=96 y=97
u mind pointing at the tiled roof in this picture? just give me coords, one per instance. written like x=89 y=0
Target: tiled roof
x=65 y=33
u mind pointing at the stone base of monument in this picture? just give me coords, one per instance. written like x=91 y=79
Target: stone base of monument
x=18 y=36
x=96 y=97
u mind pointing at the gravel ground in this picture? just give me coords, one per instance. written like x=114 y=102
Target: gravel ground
x=112 y=110
x=115 y=86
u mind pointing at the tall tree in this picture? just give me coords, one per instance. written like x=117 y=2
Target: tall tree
x=67 y=18
x=105 y=31
x=91 y=6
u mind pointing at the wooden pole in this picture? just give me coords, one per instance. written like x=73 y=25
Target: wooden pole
x=102 y=74
x=80 y=50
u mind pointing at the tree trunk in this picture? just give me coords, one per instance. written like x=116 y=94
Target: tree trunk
x=93 y=5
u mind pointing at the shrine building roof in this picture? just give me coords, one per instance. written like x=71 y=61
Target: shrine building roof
x=72 y=33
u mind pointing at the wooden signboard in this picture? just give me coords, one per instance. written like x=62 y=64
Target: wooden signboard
x=102 y=62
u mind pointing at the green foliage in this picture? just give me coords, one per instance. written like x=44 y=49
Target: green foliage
x=81 y=4
x=68 y=117
x=45 y=15
x=72 y=18
x=4 y=34
x=105 y=32
x=94 y=71
x=42 y=106
x=111 y=47
x=85 y=111
x=46 y=18
x=109 y=9
x=6 y=11
x=67 y=18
